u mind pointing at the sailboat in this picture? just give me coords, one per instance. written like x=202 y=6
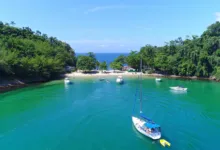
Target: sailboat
x=142 y=123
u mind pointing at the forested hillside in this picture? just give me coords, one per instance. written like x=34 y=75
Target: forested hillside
x=194 y=56
x=25 y=53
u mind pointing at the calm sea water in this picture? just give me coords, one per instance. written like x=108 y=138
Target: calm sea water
x=95 y=115
x=108 y=57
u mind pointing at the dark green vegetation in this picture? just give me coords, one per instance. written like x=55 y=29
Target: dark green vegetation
x=87 y=63
x=195 y=56
x=118 y=63
x=25 y=53
x=103 y=66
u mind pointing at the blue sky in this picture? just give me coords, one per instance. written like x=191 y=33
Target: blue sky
x=112 y=25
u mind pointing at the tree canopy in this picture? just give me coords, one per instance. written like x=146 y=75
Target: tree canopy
x=194 y=56
x=118 y=63
x=25 y=53
x=133 y=60
x=87 y=63
x=103 y=65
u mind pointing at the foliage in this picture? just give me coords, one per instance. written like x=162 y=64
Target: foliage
x=121 y=59
x=87 y=63
x=133 y=60
x=217 y=73
x=25 y=53
x=118 y=63
x=194 y=56
x=103 y=66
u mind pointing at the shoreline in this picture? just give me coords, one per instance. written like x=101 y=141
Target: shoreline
x=130 y=74
x=9 y=84
x=13 y=84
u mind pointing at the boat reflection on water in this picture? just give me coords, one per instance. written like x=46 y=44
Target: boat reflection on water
x=66 y=86
x=178 y=92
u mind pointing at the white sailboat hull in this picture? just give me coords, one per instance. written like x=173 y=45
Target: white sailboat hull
x=138 y=125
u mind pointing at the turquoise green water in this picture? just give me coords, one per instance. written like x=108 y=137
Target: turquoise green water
x=94 y=115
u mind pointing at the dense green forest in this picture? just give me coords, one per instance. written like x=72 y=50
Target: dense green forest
x=195 y=56
x=25 y=53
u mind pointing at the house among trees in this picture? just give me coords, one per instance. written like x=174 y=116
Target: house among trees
x=128 y=68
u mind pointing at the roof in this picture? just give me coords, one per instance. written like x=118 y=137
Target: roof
x=151 y=125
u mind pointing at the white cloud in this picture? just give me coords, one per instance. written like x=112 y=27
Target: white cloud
x=121 y=45
x=100 y=8
x=103 y=45
x=217 y=15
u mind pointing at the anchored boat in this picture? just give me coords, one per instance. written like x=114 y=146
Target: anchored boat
x=119 y=80
x=67 y=81
x=158 y=79
x=178 y=88
x=143 y=124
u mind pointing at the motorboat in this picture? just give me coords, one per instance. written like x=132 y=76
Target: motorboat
x=119 y=80
x=158 y=79
x=67 y=81
x=178 y=88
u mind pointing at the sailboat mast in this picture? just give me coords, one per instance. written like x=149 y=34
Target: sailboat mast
x=141 y=86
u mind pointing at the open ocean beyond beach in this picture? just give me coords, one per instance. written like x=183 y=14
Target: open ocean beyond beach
x=108 y=57
x=96 y=115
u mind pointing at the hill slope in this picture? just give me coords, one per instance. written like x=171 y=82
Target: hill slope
x=28 y=54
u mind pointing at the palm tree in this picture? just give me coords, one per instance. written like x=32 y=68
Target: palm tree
x=12 y=23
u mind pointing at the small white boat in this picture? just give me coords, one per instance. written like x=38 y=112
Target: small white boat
x=158 y=79
x=119 y=79
x=67 y=81
x=178 y=88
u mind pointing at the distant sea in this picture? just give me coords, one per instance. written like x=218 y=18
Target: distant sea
x=108 y=57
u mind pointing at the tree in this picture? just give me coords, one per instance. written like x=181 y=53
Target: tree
x=133 y=60
x=92 y=55
x=217 y=73
x=116 y=65
x=121 y=59
x=24 y=53
x=12 y=23
x=97 y=64
x=103 y=66
x=148 y=54
x=85 y=63
x=38 y=33
x=196 y=55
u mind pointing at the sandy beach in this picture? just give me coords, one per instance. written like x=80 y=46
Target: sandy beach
x=133 y=74
x=125 y=73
